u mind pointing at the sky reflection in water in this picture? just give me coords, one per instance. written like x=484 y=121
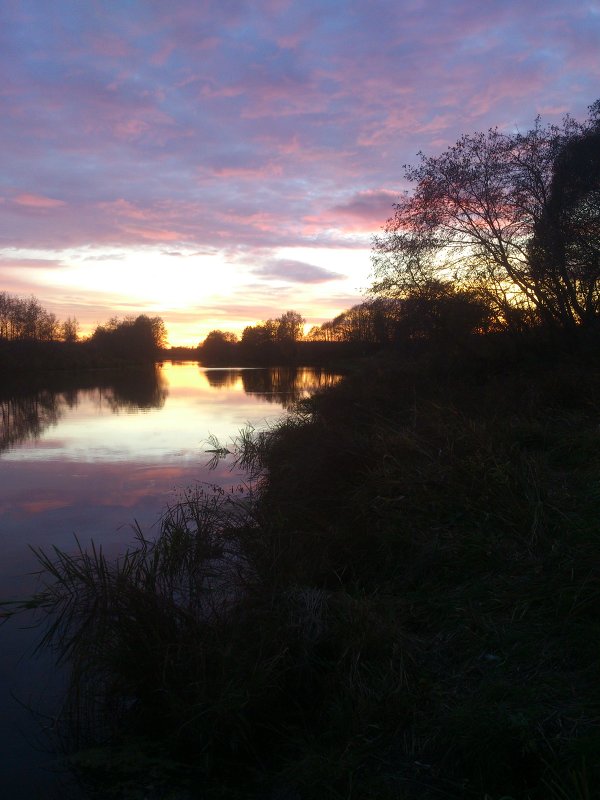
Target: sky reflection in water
x=92 y=460
x=168 y=420
x=89 y=456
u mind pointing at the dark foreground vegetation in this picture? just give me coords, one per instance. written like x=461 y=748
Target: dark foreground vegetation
x=406 y=607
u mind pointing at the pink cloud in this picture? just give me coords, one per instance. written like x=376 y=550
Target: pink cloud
x=124 y=208
x=368 y=207
x=153 y=234
x=362 y=214
x=30 y=263
x=37 y=201
x=250 y=173
x=263 y=221
x=131 y=128
x=162 y=55
x=41 y=506
x=212 y=91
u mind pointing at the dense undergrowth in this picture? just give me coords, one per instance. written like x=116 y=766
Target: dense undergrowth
x=407 y=606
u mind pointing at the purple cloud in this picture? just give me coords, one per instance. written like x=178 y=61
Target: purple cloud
x=367 y=209
x=297 y=272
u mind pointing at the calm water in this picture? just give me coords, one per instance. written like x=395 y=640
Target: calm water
x=88 y=456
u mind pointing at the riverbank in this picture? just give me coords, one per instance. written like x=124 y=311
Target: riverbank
x=29 y=358
x=33 y=357
x=406 y=607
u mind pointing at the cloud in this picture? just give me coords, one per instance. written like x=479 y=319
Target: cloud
x=152 y=234
x=369 y=208
x=29 y=263
x=297 y=272
x=37 y=201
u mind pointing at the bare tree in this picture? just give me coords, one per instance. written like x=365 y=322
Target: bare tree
x=290 y=327
x=70 y=330
x=472 y=217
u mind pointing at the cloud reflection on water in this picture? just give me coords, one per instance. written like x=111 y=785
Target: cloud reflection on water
x=90 y=455
x=92 y=460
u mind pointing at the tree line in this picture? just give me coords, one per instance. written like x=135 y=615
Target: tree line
x=270 y=342
x=439 y=313
x=32 y=336
x=24 y=319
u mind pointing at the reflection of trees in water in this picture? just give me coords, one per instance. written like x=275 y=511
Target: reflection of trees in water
x=28 y=407
x=222 y=378
x=26 y=418
x=281 y=385
x=286 y=385
x=140 y=390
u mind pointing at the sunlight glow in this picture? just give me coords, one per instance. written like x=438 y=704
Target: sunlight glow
x=194 y=292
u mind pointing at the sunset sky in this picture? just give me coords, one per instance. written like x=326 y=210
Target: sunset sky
x=218 y=162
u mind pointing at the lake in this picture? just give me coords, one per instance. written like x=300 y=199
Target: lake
x=88 y=455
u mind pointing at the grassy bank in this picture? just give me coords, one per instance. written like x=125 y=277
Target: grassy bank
x=407 y=607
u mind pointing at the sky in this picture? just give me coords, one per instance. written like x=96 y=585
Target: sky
x=218 y=162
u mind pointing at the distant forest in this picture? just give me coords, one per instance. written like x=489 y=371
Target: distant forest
x=33 y=338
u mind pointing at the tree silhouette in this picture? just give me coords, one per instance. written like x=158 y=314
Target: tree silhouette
x=219 y=347
x=70 y=330
x=25 y=320
x=372 y=322
x=258 y=344
x=289 y=332
x=138 y=339
x=290 y=326
x=481 y=214
x=443 y=314
x=565 y=248
x=274 y=340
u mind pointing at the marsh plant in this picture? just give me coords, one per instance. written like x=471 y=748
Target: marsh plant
x=121 y=624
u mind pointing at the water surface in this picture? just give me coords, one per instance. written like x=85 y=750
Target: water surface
x=88 y=455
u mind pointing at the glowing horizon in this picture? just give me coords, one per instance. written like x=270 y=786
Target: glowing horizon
x=191 y=302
